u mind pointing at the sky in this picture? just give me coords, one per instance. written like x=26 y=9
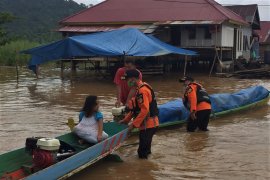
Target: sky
x=263 y=10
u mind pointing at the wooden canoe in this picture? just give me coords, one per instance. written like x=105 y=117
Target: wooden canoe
x=219 y=114
x=174 y=113
x=14 y=164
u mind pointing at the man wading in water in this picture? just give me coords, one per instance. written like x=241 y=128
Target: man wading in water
x=124 y=92
x=144 y=112
x=198 y=102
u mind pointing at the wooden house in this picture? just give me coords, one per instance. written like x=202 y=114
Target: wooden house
x=215 y=31
x=264 y=39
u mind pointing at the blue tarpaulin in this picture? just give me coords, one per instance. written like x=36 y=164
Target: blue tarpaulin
x=129 y=42
x=175 y=110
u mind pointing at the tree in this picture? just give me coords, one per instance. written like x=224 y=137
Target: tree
x=4 y=18
x=37 y=20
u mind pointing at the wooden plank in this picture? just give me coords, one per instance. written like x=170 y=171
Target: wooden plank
x=254 y=70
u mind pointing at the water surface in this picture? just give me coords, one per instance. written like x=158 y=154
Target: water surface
x=236 y=147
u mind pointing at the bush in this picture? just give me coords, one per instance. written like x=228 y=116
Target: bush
x=10 y=52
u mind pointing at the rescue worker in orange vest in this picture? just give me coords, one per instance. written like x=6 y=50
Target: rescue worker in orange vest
x=197 y=101
x=144 y=112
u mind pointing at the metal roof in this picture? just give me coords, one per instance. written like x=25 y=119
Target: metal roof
x=264 y=33
x=89 y=29
x=249 y=12
x=151 y=11
x=187 y=22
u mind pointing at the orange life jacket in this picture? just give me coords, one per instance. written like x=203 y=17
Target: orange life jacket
x=196 y=98
x=134 y=106
x=143 y=108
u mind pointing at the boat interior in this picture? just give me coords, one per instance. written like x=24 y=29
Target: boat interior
x=20 y=161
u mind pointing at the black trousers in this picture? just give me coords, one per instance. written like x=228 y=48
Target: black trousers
x=201 y=122
x=145 y=137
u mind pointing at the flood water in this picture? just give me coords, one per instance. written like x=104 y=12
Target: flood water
x=236 y=147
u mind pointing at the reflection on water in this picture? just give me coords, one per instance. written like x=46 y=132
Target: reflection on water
x=236 y=147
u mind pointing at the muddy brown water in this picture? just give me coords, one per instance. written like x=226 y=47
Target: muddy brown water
x=236 y=147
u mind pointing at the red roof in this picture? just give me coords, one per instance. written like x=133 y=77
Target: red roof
x=264 y=33
x=115 y=11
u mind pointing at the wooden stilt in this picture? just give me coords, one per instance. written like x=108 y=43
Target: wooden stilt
x=185 y=68
x=214 y=62
x=37 y=71
x=17 y=69
x=17 y=72
x=62 y=69
x=108 y=67
x=73 y=65
x=220 y=61
x=216 y=54
x=233 y=60
x=62 y=65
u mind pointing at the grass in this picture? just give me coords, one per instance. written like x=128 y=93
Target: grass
x=10 y=52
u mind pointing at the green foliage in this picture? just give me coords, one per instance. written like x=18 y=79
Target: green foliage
x=4 y=18
x=28 y=23
x=10 y=52
x=37 y=20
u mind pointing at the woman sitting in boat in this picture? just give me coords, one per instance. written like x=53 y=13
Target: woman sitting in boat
x=90 y=127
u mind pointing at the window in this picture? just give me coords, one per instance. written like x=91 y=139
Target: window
x=192 y=33
x=207 y=33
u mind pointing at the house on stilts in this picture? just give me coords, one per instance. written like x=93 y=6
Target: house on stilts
x=219 y=34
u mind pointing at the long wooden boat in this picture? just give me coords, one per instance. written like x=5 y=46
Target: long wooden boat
x=174 y=113
x=17 y=164
x=222 y=113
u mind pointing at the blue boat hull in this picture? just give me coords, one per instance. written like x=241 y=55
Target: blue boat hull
x=81 y=160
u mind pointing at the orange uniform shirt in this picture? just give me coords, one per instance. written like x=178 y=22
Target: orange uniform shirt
x=142 y=121
x=192 y=98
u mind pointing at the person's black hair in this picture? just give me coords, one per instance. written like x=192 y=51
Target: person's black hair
x=89 y=105
x=186 y=78
x=132 y=73
x=129 y=62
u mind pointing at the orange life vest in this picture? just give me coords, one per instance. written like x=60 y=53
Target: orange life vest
x=196 y=98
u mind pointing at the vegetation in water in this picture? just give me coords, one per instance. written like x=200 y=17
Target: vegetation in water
x=28 y=23
x=37 y=20
x=10 y=52
x=4 y=18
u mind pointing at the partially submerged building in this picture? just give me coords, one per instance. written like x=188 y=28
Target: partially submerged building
x=264 y=38
x=251 y=15
x=215 y=31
